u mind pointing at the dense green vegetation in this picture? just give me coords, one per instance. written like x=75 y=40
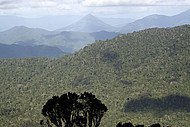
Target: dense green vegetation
x=131 y=70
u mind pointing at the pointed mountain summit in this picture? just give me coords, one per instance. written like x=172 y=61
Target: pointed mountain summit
x=89 y=23
x=89 y=17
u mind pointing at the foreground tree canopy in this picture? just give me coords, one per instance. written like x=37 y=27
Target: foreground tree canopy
x=131 y=125
x=70 y=110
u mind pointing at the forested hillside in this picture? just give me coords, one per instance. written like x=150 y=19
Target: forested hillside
x=141 y=77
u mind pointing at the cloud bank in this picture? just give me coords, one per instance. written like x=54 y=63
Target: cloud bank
x=12 y=4
x=81 y=7
x=65 y=4
x=100 y=3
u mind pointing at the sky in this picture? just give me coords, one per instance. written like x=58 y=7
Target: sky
x=134 y=9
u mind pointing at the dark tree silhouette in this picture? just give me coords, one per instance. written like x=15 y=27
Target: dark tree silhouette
x=125 y=125
x=139 y=126
x=93 y=109
x=131 y=125
x=71 y=110
x=156 y=125
x=51 y=110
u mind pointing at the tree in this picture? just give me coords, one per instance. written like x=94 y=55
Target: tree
x=124 y=125
x=93 y=109
x=131 y=125
x=51 y=111
x=71 y=110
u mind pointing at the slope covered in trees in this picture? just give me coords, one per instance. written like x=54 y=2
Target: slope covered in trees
x=130 y=70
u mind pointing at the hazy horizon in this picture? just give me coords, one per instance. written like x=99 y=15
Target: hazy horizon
x=134 y=9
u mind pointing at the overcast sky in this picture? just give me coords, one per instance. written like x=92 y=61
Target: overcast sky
x=102 y=8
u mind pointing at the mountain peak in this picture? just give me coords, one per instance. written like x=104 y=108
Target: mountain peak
x=90 y=17
x=89 y=23
x=20 y=27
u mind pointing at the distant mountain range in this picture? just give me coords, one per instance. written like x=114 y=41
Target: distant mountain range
x=159 y=21
x=47 y=22
x=83 y=32
x=22 y=33
x=52 y=22
x=90 y=23
x=66 y=41
x=19 y=51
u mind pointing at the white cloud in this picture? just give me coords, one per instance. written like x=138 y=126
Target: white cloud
x=135 y=3
x=62 y=4
x=6 y=1
x=67 y=4
x=39 y=4
x=9 y=4
x=69 y=1
x=109 y=8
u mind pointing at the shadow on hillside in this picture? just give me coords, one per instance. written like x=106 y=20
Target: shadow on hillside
x=172 y=103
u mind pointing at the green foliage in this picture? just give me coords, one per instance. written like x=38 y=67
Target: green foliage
x=152 y=64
